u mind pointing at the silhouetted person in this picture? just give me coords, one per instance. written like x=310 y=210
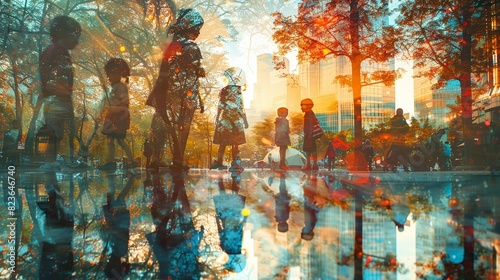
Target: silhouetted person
x=329 y=157
x=367 y=151
x=309 y=144
x=147 y=151
x=175 y=96
x=434 y=147
x=282 y=135
x=56 y=74
x=398 y=128
x=116 y=112
x=231 y=120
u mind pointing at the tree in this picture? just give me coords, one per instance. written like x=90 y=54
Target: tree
x=350 y=28
x=448 y=39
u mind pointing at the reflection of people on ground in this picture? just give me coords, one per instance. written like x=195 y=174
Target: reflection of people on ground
x=230 y=218
x=397 y=152
x=57 y=254
x=231 y=120
x=282 y=201
x=56 y=74
x=311 y=208
x=400 y=212
x=309 y=144
x=175 y=241
x=117 y=218
x=176 y=93
x=282 y=137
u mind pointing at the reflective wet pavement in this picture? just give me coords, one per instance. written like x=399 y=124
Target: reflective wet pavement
x=259 y=224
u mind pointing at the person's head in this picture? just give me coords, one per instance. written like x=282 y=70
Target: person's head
x=235 y=76
x=367 y=142
x=282 y=112
x=306 y=105
x=399 y=112
x=66 y=31
x=188 y=24
x=116 y=69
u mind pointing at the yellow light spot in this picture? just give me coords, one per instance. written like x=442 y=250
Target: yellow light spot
x=122 y=48
x=245 y=212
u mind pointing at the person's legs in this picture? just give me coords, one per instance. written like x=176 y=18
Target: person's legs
x=126 y=149
x=71 y=137
x=234 y=152
x=111 y=148
x=314 y=156
x=283 y=156
x=220 y=153
x=158 y=138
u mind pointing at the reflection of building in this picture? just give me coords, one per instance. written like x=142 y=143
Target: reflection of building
x=274 y=88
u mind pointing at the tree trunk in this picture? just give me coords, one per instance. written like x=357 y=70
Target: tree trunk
x=356 y=80
x=465 y=83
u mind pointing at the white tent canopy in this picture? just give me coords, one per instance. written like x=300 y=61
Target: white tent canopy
x=293 y=157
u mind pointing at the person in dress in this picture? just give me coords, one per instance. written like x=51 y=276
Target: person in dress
x=175 y=95
x=116 y=111
x=231 y=120
x=282 y=135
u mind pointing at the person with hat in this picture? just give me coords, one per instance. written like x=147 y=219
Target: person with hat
x=309 y=144
x=231 y=120
x=56 y=75
x=175 y=95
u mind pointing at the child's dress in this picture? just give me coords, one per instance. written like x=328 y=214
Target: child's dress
x=117 y=114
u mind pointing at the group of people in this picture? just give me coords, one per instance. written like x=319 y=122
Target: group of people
x=175 y=98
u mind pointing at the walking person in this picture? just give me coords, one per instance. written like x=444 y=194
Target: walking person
x=56 y=74
x=311 y=125
x=368 y=153
x=282 y=135
x=330 y=155
x=176 y=96
x=446 y=163
x=397 y=152
x=231 y=120
x=116 y=112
